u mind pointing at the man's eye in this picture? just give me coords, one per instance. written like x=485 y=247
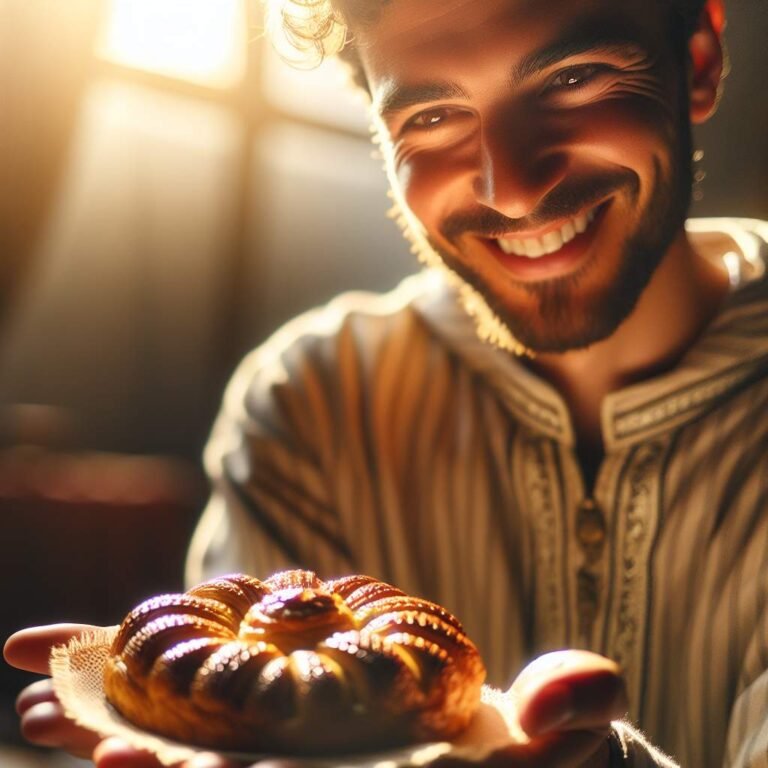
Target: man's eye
x=429 y=118
x=575 y=77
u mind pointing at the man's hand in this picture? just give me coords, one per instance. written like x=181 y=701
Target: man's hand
x=42 y=718
x=565 y=702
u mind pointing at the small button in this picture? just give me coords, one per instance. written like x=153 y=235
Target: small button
x=590 y=523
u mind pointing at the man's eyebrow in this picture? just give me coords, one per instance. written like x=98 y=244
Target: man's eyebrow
x=395 y=97
x=587 y=41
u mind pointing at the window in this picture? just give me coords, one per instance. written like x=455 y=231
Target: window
x=202 y=41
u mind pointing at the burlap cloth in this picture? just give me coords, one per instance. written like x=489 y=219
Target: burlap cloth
x=78 y=669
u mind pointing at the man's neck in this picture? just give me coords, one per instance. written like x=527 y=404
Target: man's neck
x=678 y=303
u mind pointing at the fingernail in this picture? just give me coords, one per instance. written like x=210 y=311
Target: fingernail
x=550 y=709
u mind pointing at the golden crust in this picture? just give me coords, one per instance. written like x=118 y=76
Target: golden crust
x=294 y=665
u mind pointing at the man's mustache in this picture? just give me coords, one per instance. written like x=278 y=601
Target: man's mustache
x=564 y=202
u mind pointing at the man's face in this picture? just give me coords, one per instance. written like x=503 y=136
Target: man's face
x=543 y=146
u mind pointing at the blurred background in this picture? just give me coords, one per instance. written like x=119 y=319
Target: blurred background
x=170 y=193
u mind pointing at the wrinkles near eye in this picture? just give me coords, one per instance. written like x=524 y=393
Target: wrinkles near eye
x=584 y=83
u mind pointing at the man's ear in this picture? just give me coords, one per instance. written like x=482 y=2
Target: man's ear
x=705 y=47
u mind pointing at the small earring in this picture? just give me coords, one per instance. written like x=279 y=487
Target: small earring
x=699 y=174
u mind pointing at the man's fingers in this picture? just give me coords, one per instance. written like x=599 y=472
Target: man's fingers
x=43 y=721
x=572 y=690
x=46 y=725
x=584 y=702
x=115 y=753
x=37 y=693
x=29 y=649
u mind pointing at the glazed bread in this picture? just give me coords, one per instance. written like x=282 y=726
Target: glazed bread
x=294 y=665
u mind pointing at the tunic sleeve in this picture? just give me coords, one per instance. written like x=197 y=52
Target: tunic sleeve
x=270 y=459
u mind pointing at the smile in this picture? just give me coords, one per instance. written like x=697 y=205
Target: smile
x=551 y=242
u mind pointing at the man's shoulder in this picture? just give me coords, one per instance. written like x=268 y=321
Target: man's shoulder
x=371 y=317
x=354 y=328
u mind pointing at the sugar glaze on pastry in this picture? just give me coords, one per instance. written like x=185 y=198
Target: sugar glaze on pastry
x=295 y=665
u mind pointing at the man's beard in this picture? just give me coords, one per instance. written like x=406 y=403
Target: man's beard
x=562 y=315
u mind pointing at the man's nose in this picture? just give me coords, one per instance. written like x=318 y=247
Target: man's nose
x=518 y=165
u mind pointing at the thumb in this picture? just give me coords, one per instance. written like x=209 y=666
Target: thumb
x=570 y=690
x=29 y=649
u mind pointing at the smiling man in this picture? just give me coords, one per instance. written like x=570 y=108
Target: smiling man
x=556 y=430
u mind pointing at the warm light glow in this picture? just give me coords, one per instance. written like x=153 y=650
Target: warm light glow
x=322 y=94
x=199 y=40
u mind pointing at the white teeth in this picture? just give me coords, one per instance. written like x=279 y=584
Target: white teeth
x=534 y=247
x=553 y=241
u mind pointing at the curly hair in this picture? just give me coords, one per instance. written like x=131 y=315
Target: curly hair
x=315 y=29
x=307 y=31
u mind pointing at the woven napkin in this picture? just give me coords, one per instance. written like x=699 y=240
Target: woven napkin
x=78 y=671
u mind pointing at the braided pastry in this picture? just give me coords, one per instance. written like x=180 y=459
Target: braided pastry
x=294 y=665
